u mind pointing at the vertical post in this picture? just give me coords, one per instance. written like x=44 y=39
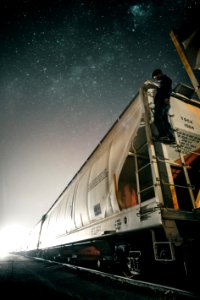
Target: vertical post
x=186 y=64
x=42 y=221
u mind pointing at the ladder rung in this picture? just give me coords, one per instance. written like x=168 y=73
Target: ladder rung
x=146 y=189
x=181 y=186
x=177 y=166
x=143 y=167
x=196 y=153
x=172 y=163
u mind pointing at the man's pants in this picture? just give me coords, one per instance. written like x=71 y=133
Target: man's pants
x=161 y=120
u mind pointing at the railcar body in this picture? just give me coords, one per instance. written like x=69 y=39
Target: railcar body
x=135 y=201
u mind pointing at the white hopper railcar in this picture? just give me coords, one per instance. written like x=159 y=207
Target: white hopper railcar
x=135 y=201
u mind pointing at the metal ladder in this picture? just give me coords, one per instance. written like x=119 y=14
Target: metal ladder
x=183 y=164
x=158 y=154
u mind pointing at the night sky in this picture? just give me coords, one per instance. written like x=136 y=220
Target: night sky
x=67 y=71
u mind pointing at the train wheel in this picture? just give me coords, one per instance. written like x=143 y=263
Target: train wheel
x=126 y=273
x=99 y=264
x=102 y=265
x=130 y=268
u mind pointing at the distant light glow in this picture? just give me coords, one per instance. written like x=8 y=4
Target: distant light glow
x=12 y=238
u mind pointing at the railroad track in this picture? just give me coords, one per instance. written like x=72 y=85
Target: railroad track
x=158 y=291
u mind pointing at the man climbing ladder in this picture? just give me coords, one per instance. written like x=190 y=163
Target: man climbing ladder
x=162 y=106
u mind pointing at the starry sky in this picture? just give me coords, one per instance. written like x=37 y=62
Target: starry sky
x=67 y=71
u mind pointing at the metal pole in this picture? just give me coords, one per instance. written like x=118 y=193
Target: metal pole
x=186 y=64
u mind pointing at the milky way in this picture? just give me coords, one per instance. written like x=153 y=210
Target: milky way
x=67 y=70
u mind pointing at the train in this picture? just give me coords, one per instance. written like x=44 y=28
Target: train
x=134 y=205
